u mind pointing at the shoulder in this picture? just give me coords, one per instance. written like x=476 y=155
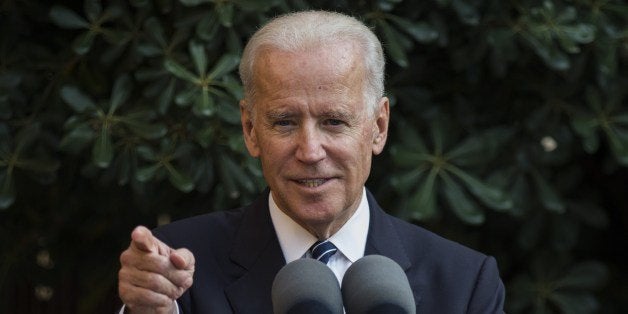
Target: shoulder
x=450 y=275
x=428 y=249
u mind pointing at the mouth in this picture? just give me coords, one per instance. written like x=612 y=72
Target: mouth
x=312 y=183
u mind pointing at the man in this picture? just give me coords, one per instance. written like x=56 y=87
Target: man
x=314 y=113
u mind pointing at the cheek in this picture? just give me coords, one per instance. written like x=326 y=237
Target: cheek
x=273 y=152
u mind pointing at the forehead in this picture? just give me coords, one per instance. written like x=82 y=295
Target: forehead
x=327 y=67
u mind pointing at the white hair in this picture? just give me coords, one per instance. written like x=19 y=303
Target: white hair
x=300 y=31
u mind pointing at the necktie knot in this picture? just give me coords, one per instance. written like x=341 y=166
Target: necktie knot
x=323 y=250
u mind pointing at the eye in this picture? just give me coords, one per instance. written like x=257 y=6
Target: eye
x=282 y=123
x=334 y=122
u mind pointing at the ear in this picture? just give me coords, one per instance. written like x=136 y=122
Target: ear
x=250 y=137
x=380 y=129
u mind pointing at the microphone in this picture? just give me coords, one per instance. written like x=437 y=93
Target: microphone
x=306 y=286
x=377 y=284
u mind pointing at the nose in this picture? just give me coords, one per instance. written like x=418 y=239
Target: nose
x=310 y=146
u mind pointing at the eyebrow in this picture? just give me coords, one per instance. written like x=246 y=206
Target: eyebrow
x=335 y=113
x=338 y=114
x=277 y=115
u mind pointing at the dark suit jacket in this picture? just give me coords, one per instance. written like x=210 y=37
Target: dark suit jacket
x=237 y=256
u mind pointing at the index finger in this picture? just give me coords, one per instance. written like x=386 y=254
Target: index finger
x=142 y=239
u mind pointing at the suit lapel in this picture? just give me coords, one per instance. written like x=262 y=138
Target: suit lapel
x=383 y=239
x=257 y=258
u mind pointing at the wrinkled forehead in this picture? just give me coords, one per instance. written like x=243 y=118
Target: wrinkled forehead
x=339 y=63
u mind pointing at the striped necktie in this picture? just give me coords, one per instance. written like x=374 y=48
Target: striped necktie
x=323 y=250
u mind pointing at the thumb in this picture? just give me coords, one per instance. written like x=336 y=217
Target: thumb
x=182 y=259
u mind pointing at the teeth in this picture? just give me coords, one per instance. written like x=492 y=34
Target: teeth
x=312 y=183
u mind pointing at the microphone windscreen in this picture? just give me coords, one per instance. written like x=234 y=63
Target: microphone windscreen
x=306 y=286
x=377 y=284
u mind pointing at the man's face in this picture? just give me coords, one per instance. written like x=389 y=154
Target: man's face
x=312 y=130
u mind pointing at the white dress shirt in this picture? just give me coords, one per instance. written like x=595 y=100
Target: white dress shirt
x=350 y=240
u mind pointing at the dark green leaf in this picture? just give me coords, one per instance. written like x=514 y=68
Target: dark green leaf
x=581 y=33
x=149 y=74
x=205 y=136
x=187 y=96
x=5 y=138
x=564 y=234
x=146 y=153
x=183 y=150
x=5 y=107
x=619 y=146
x=226 y=64
x=77 y=99
x=460 y=203
x=404 y=158
x=590 y=214
x=208 y=27
x=77 y=138
x=192 y=3
x=423 y=202
x=479 y=148
x=7 y=190
x=421 y=31
x=179 y=180
x=520 y=192
x=40 y=165
x=155 y=31
x=165 y=97
x=256 y=5
x=93 y=9
x=120 y=93
x=228 y=181
x=146 y=174
x=233 y=86
x=586 y=275
x=225 y=13
x=492 y=197
x=10 y=79
x=83 y=43
x=568 y=44
x=113 y=11
x=405 y=181
x=550 y=54
x=409 y=138
x=66 y=18
x=467 y=13
x=620 y=118
x=392 y=44
x=567 y=15
x=26 y=136
x=197 y=50
x=548 y=196
x=575 y=302
x=205 y=104
x=531 y=232
x=149 y=130
x=102 y=151
x=241 y=178
x=229 y=113
x=586 y=126
x=180 y=71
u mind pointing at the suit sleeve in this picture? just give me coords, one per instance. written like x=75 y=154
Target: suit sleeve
x=489 y=292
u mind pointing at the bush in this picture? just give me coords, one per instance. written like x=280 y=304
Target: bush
x=509 y=134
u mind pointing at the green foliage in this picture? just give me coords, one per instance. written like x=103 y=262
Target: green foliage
x=509 y=133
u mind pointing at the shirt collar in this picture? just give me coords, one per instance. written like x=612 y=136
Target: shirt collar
x=295 y=240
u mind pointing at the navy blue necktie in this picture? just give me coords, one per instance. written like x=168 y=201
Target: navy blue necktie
x=323 y=250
